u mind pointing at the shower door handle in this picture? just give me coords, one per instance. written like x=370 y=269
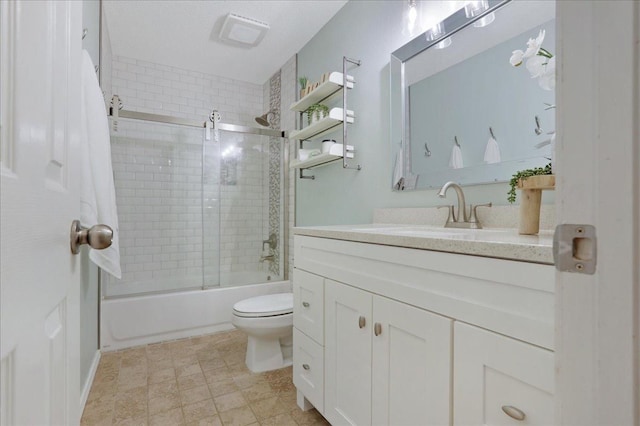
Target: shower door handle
x=98 y=237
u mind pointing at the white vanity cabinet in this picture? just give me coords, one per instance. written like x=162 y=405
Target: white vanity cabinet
x=385 y=362
x=417 y=337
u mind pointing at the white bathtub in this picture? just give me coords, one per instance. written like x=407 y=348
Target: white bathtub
x=139 y=320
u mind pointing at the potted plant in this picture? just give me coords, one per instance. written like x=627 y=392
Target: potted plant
x=532 y=182
x=303 y=85
x=316 y=112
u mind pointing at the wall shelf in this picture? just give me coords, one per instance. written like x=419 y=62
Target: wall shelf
x=329 y=88
x=323 y=126
x=322 y=159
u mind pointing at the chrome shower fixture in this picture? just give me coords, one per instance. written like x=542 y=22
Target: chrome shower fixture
x=263 y=120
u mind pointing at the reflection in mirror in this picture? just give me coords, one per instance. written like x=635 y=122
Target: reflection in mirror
x=461 y=111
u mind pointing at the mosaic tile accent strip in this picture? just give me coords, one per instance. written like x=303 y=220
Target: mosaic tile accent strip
x=275 y=172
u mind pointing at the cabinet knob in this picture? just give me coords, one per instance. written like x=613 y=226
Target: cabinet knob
x=377 y=329
x=362 y=322
x=306 y=304
x=514 y=412
x=306 y=366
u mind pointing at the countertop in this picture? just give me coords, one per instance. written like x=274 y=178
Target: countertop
x=499 y=243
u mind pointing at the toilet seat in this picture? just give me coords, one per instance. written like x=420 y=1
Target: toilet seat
x=265 y=306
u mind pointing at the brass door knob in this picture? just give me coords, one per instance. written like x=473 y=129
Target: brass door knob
x=98 y=237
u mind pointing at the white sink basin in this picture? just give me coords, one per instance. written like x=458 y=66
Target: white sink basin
x=429 y=231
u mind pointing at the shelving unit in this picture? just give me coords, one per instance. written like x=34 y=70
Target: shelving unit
x=338 y=119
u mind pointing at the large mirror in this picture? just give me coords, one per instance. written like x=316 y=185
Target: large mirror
x=460 y=110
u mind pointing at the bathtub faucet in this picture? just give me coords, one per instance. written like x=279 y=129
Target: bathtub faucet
x=268 y=258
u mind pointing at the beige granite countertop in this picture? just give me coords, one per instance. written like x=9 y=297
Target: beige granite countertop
x=502 y=243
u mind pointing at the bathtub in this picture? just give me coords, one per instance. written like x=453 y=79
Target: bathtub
x=139 y=320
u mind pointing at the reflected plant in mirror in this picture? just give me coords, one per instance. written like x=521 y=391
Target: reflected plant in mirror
x=481 y=121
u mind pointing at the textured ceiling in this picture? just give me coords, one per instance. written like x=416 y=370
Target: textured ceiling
x=185 y=33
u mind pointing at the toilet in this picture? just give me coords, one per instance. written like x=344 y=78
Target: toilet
x=268 y=321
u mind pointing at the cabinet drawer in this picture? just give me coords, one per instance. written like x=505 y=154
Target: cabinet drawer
x=496 y=375
x=308 y=304
x=308 y=369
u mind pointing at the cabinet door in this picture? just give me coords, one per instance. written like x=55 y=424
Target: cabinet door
x=348 y=331
x=498 y=379
x=308 y=304
x=411 y=365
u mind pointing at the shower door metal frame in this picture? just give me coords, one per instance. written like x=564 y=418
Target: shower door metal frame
x=116 y=113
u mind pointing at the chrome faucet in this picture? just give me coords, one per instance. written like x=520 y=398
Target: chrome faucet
x=460 y=219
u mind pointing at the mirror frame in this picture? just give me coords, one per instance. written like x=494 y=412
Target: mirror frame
x=452 y=24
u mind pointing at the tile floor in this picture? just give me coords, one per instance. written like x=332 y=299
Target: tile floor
x=197 y=381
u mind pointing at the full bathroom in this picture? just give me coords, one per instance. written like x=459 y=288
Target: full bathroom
x=320 y=212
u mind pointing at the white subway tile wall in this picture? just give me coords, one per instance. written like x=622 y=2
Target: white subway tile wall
x=166 y=241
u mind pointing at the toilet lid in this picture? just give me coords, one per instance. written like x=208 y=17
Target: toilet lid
x=265 y=306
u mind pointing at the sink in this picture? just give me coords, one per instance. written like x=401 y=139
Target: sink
x=424 y=231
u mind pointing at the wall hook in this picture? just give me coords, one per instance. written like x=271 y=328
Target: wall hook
x=427 y=153
x=455 y=138
x=84 y=33
x=492 y=134
x=538 y=130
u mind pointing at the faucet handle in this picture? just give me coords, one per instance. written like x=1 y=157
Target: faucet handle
x=473 y=211
x=452 y=215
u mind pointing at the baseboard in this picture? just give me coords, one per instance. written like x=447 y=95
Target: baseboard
x=87 y=384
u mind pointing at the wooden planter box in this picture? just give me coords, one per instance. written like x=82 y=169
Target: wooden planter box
x=532 y=188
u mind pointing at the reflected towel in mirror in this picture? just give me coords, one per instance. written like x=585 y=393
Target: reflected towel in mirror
x=455 y=162
x=492 y=152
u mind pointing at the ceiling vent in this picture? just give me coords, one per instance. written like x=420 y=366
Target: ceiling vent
x=240 y=29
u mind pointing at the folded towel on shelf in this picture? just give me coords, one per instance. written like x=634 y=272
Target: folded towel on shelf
x=98 y=195
x=492 y=152
x=455 y=162
x=398 y=179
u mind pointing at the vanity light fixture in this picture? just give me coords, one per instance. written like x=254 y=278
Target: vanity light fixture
x=435 y=33
x=475 y=8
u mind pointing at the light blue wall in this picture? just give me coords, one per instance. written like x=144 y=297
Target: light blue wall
x=369 y=31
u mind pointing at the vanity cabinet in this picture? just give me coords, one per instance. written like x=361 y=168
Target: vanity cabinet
x=500 y=381
x=410 y=336
x=385 y=362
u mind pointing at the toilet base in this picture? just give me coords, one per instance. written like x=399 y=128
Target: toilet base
x=267 y=354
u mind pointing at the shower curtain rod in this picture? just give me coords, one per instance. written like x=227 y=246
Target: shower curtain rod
x=115 y=113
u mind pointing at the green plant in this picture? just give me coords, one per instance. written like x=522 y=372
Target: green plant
x=303 y=82
x=319 y=110
x=523 y=174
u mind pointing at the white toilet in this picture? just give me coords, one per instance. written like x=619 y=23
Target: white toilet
x=268 y=320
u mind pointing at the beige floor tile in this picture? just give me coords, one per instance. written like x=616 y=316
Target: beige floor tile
x=206 y=353
x=212 y=364
x=187 y=370
x=181 y=361
x=99 y=411
x=164 y=403
x=242 y=416
x=134 y=394
x=223 y=387
x=160 y=364
x=258 y=392
x=129 y=409
x=279 y=420
x=229 y=401
x=138 y=421
x=269 y=407
x=167 y=418
x=131 y=381
x=162 y=375
x=306 y=417
x=193 y=395
x=217 y=375
x=192 y=381
x=199 y=410
x=103 y=390
x=207 y=421
x=246 y=380
x=168 y=388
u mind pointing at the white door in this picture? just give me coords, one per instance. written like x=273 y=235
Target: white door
x=598 y=183
x=39 y=327
x=499 y=380
x=348 y=331
x=411 y=365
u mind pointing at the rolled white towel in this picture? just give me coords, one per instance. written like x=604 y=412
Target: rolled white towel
x=455 y=162
x=492 y=152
